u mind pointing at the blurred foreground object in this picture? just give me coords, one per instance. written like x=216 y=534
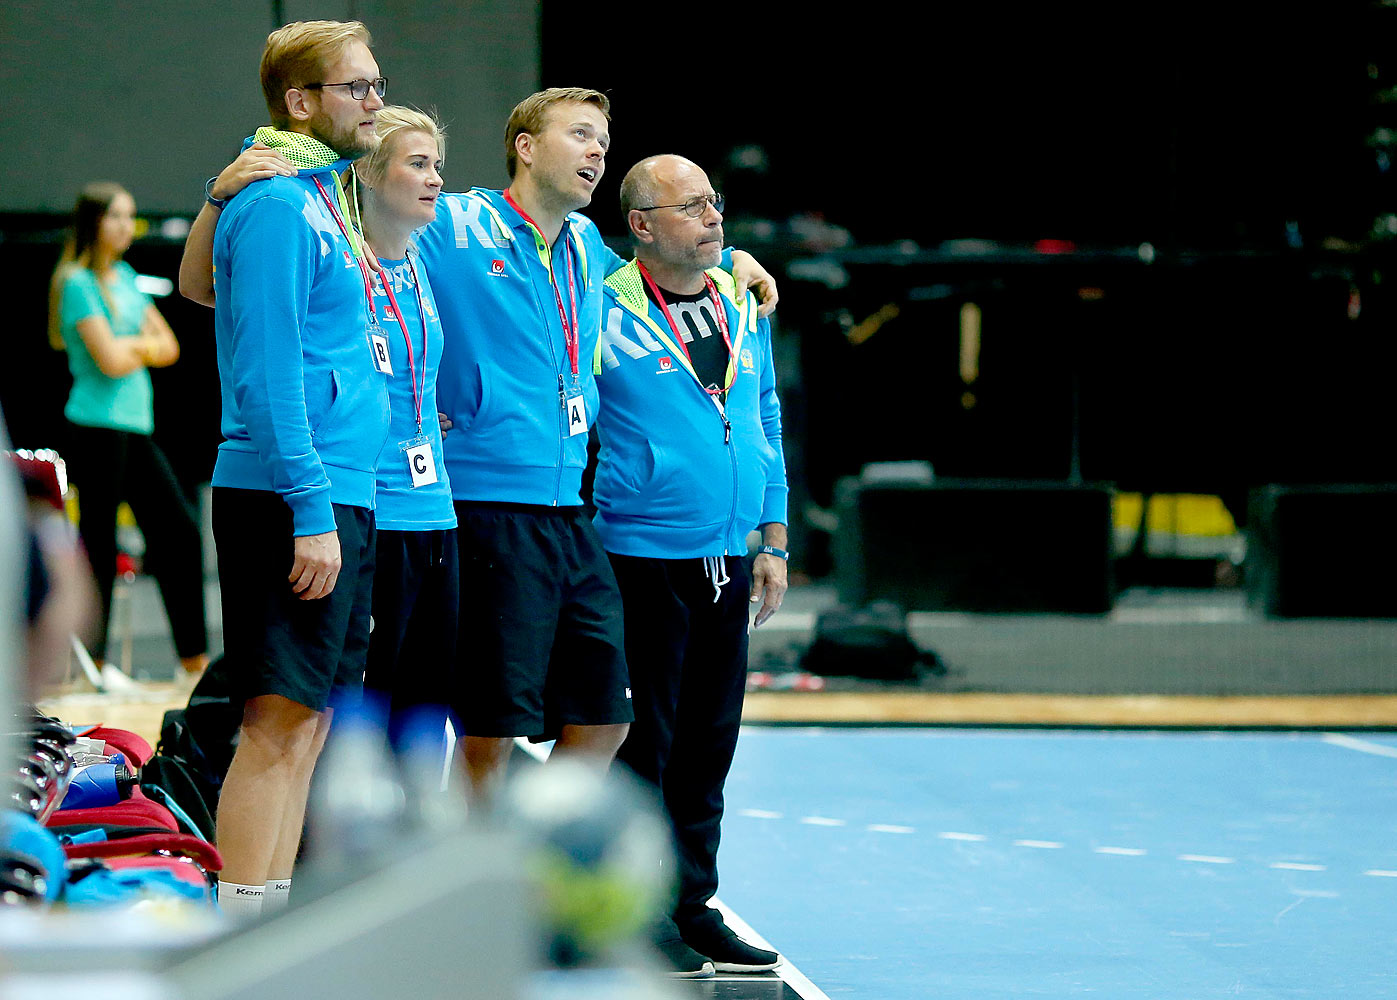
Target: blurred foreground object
x=599 y=855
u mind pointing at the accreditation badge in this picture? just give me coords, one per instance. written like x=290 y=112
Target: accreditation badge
x=421 y=463
x=576 y=414
x=379 y=342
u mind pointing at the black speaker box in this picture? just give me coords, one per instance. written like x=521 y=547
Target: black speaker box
x=976 y=545
x=1323 y=551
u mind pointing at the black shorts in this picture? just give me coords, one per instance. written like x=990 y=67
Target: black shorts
x=540 y=643
x=275 y=642
x=412 y=652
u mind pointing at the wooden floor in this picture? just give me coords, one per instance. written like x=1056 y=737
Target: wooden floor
x=141 y=709
x=929 y=708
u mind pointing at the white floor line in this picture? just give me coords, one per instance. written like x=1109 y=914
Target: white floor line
x=449 y=731
x=538 y=751
x=1130 y=852
x=786 y=971
x=1362 y=746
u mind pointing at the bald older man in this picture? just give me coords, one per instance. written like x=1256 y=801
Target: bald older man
x=690 y=464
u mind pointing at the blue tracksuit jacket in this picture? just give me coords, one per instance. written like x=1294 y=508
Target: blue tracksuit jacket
x=679 y=477
x=505 y=363
x=400 y=506
x=305 y=413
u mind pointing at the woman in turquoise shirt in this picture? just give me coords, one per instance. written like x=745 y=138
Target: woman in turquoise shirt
x=113 y=334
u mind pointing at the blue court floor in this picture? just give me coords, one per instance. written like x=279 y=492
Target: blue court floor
x=979 y=864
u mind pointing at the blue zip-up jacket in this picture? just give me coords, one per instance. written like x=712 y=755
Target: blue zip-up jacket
x=399 y=505
x=505 y=362
x=305 y=413
x=679 y=477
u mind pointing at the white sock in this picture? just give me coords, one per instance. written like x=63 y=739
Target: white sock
x=241 y=902
x=276 y=895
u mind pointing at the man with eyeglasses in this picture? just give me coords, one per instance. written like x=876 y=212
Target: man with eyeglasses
x=690 y=463
x=305 y=415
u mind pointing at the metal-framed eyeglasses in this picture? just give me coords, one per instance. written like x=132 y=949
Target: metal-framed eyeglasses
x=695 y=206
x=358 y=89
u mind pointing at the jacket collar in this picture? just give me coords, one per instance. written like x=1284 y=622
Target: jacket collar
x=628 y=286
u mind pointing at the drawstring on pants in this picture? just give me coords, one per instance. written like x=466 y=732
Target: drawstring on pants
x=716 y=569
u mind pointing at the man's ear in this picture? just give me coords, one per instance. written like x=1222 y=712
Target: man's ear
x=524 y=148
x=298 y=105
x=640 y=226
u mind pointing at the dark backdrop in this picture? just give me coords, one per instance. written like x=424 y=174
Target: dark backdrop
x=1249 y=344
x=1209 y=125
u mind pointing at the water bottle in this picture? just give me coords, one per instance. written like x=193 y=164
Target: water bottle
x=99 y=785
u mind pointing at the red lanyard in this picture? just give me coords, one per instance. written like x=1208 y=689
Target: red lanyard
x=721 y=316
x=569 y=328
x=363 y=268
x=422 y=314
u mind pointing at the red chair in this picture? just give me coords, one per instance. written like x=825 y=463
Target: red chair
x=181 y=844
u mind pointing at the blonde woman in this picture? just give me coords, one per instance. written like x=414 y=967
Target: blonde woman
x=412 y=650
x=113 y=334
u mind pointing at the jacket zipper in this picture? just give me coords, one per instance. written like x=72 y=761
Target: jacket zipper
x=721 y=410
x=562 y=388
x=727 y=443
x=732 y=456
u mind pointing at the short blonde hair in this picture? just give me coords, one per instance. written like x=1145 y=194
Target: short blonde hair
x=531 y=114
x=391 y=124
x=298 y=53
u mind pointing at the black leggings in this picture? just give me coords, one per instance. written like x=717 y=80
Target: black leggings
x=109 y=466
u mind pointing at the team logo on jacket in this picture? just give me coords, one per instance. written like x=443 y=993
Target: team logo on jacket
x=665 y=364
x=497 y=267
x=746 y=359
x=348 y=260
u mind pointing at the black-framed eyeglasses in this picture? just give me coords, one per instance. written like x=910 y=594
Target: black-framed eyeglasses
x=695 y=206
x=358 y=89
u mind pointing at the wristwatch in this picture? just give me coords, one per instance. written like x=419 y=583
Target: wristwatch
x=772 y=550
x=208 y=194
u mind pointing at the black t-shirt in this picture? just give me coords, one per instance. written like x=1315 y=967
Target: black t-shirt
x=698 y=326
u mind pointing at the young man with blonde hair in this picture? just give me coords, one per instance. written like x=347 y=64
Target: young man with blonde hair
x=518 y=279
x=305 y=414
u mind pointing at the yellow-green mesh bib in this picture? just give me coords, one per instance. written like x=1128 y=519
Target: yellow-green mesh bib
x=300 y=150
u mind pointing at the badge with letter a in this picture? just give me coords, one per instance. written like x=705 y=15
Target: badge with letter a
x=577 y=415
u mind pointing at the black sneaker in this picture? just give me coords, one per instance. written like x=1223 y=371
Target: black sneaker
x=681 y=961
x=728 y=952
